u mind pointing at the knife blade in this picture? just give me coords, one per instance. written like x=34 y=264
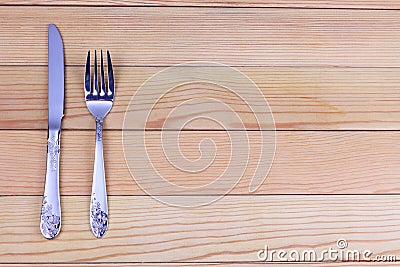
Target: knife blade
x=56 y=77
x=50 y=219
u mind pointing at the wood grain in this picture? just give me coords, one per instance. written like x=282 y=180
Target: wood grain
x=365 y=4
x=143 y=36
x=232 y=229
x=329 y=69
x=300 y=98
x=305 y=163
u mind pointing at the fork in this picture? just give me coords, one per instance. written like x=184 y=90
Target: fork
x=99 y=101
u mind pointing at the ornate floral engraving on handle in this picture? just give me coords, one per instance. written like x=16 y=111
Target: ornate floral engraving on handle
x=50 y=222
x=53 y=148
x=98 y=206
x=99 y=218
x=99 y=129
x=50 y=218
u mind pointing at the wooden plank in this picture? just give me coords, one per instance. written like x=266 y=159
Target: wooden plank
x=300 y=98
x=365 y=4
x=232 y=229
x=305 y=163
x=163 y=36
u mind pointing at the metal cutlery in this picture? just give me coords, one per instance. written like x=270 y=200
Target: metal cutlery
x=99 y=101
x=50 y=219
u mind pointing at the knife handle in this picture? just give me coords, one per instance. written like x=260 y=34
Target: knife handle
x=50 y=218
x=98 y=203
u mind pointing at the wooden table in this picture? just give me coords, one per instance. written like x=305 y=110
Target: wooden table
x=330 y=71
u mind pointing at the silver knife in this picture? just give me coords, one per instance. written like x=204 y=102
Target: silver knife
x=50 y=219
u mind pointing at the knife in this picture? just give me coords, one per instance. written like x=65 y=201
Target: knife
x=50 y=218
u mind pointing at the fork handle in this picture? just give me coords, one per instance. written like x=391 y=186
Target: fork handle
x=98 y=203
x=50 y=218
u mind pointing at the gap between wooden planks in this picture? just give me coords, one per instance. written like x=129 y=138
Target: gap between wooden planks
x=236 y=264
x=300 y=98
x=323 y=162
x=143 y=36
x=232 y=229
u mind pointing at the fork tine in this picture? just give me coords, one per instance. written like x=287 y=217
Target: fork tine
x=103 y=83
x=110 y=75
x=95 y=80
x=87 y=75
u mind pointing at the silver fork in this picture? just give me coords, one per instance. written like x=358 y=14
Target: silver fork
x=99 y=101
